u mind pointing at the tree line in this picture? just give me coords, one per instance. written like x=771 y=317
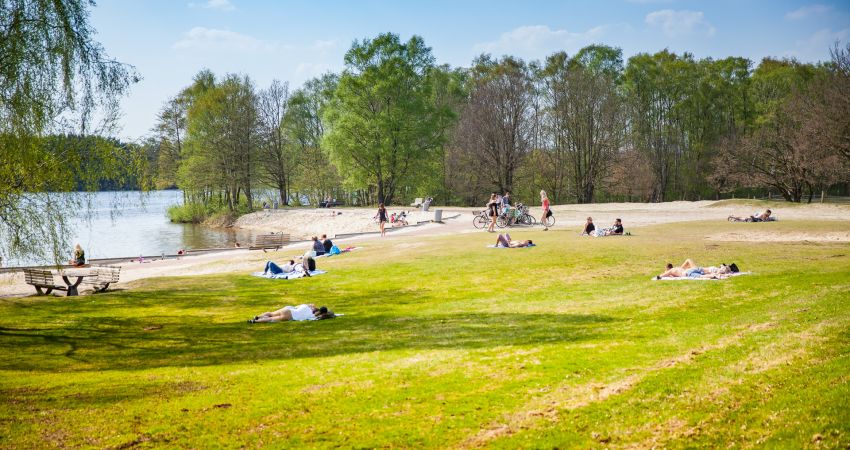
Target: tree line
x=587 y=127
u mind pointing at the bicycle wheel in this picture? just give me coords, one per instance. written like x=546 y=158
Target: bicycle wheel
x=528 y=219
x=548 y=221
x=501 y=221
x=480 y=222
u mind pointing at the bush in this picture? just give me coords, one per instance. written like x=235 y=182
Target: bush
x=188 y=213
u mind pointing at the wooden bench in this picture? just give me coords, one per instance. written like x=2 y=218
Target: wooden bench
x=269 y=242
x=42 y=278
x=106 y=275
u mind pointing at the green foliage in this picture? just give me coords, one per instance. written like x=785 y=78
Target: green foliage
x=382 y=122
x=583 y=350
x=53 y=77
x=190 y=212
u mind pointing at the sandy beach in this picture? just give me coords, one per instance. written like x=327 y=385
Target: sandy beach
x=302 y=224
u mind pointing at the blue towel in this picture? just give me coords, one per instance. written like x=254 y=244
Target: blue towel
x=288 y=275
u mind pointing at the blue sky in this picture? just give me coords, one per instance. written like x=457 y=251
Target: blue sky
x=168 y=41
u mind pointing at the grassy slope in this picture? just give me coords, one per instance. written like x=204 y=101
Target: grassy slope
x=446 y=343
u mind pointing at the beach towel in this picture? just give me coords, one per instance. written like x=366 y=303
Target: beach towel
x=287 y=275
x=338 y=251
x=725 y=276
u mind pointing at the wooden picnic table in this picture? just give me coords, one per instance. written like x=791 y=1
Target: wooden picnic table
x=79 y=274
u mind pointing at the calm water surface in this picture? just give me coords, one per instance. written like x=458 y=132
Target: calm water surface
x=135 y=223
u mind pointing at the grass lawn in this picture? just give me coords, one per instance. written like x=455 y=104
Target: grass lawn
x=446 y=343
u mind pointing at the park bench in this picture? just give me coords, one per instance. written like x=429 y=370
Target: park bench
x=42 y=278
x=417 y=202
x=269 y=242
x=104 y=276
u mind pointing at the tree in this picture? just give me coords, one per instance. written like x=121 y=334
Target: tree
x=496 y=126
x=53 y=75
x=276 y=161
x=314 y=175
x=383 y=124
x=221 y=143
x=584 y=113
x=778 y=154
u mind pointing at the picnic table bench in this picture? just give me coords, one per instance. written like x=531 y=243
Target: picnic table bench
x=42 y=279
x=270 y=241
x=102 y=277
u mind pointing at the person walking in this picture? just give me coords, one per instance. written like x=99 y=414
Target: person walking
x=382 y=218
x=544 y=200
x=492 y=211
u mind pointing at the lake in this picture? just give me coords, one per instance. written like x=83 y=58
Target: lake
x=129 y=224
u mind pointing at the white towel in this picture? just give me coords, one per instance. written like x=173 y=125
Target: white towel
x=287 y=275
x=700 y=279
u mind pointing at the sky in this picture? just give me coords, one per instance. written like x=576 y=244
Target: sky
x=169 y=41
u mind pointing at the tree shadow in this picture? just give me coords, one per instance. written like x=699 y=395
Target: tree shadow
x=124 y=344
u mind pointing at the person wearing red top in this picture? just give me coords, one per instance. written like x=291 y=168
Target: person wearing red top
x=545 y=201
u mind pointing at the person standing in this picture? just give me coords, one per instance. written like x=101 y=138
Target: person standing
x=506 y=205
x=544 y=200
x=492 y=211
x=382 y=218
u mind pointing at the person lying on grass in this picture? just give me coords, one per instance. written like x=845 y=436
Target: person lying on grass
x=289 y=267
x=690 y=269
x=300 y=312
x=613 y=230
x=506 y=242
x=763 y=217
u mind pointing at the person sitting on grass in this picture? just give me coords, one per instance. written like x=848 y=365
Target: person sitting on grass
x=504 y=241
x=79 y=259
x=318 y=247
x=588 y=227
x=617 y=228
x=300 y=312
x=274 y=269
x=690 y=269
x=327 y=243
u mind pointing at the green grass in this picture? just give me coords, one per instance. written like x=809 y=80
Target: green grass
x=446 y=343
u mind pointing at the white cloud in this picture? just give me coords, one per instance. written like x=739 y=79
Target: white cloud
x=538 y=40
x=221 y=5
x=200 y=38
x=807 y=11
x=816 y=46
x=677 y=23
x=324 y=45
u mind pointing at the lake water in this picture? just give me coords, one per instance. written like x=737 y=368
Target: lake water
x=128 y=224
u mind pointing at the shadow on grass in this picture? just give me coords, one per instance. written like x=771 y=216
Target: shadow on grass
x=124 y=344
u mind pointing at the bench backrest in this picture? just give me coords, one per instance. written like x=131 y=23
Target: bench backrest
x=271 y=239
x=108 y=274
x=40 y=277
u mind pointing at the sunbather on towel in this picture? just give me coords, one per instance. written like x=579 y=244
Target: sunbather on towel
x=300 y=312
x=274 y=269
x=505 y=241
x=691 y=269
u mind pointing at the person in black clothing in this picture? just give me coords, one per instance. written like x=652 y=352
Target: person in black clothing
x=382 y=218
x=618 y=227
x=589 y=227
x=327 y=243
x=492 y=211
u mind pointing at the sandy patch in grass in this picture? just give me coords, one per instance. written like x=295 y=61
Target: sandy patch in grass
x=767 y=236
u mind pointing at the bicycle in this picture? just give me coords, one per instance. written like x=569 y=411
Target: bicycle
x=481 y=220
